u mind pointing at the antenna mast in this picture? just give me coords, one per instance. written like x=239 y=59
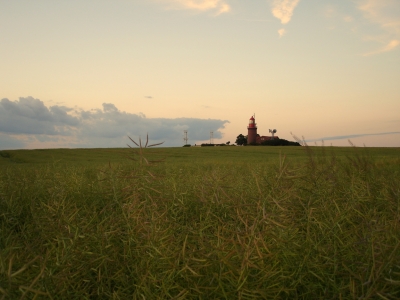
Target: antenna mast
x=211 y=137
x=185 y=136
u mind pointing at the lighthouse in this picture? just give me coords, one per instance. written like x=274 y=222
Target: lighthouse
x=252 y=131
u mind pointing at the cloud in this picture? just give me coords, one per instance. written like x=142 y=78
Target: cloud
x=351 y=136
x=389 y=47
x=348 y=19
x=8 y=142
x=28 y=123
x=31 y=116
x=255 y=20
x=384 y=13
x=220 y=6
x=283 y=9
x=281 y=32
x=109 y=107
x=330 y=11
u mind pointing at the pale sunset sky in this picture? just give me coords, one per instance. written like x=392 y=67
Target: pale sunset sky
x=90 y=73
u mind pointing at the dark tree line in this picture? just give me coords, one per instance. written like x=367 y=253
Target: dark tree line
x=279 y=142
x=242 y=140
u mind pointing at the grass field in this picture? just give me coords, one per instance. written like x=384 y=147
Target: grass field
x=203 y=223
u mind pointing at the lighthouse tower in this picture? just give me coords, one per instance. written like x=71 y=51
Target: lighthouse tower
x=252 y=131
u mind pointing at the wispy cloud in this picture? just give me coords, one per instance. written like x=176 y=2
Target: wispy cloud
x=29 y=123
x=389 y=47
x=282 y=32
x=256 y=20
x=384 y=13
x=283 y=9
x=218 y=6
x=330 y=11
x=348 y=19
x=351 y=136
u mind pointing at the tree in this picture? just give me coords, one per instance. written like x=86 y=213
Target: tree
x=228 y=142
x=241 y=140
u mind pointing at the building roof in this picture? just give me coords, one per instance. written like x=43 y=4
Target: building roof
x=266 y=138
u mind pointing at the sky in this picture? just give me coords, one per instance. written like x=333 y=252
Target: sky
x=90 y=73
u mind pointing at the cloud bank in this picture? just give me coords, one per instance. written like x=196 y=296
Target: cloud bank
x=28 y=123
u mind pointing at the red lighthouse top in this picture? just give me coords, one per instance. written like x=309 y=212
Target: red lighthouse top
x=252 y=123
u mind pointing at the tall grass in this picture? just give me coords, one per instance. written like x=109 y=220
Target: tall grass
x=322 y=227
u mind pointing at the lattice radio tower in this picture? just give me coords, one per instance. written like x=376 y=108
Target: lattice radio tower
x=185 y=137
x=211 y=137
